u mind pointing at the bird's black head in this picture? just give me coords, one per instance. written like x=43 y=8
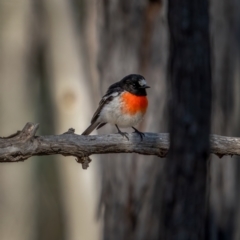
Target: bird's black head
x=135 y=84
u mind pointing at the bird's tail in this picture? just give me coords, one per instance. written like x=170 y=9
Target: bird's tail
x=90 y=128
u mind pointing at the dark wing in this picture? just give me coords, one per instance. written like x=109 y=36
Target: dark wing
x=104 y=101
x=94 y=122
x=113 y=91
x=107 y=98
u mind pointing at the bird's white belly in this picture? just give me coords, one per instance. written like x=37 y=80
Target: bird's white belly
x=112 y=113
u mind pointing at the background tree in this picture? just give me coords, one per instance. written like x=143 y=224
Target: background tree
x=224 y=173
x=190 y=119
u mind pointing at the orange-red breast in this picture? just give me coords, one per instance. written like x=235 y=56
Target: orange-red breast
x=124 y=105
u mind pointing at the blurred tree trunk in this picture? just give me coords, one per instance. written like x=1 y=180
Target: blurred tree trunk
x=224 y=210
x=72 y=107
x=49 y=214
x=133 y=39
x=17 y=209
x=190 y=114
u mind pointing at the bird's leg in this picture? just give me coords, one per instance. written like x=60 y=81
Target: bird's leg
x=140 y=133
x=124 y=134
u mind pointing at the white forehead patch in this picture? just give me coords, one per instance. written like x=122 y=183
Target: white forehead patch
x=142 y=82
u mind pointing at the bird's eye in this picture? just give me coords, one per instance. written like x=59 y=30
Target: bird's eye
x=134 y=85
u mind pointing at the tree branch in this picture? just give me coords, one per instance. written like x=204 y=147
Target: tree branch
x=24 y=144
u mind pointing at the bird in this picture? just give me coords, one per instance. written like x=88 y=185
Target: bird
x=124 y=105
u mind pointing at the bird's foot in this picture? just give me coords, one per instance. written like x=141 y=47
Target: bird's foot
x=141 y=134
x=124 y=134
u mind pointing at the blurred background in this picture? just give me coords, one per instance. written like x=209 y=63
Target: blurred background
x=57 y=58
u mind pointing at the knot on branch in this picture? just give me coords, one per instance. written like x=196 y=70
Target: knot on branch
x=163 y=153
x=29 y=131
x=70 y=131
x=84 y=161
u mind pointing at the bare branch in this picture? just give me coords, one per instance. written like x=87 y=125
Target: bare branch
x=24 y=144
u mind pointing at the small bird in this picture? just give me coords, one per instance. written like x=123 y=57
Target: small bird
x=124 y=105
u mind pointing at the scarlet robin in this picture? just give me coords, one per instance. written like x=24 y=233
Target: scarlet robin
x=124 y=105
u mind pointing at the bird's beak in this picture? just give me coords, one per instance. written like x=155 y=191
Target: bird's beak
x=145 y=86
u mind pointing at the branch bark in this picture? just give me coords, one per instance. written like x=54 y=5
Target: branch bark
x=25 y=144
